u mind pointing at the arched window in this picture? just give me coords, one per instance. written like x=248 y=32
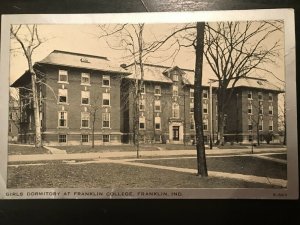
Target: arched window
x=175 y=110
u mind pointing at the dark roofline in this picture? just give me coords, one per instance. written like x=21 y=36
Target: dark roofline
x=159 y=66
x=79 y=54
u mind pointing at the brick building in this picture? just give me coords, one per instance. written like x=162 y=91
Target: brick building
x=166 y=107
x=252 y=112
x=79 y=98
x=13 y=120
x=85 y=97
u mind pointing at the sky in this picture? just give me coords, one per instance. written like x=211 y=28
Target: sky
x=84 y=39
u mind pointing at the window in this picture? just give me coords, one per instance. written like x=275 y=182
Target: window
x=62 y=95
x=191 y=93
x=85 y=78
x=106 y=81
x=260 y=96
x=106 y=99
x=175 y=77
x=157 y=90
x=157 y=123
x=142 y=124
x=260 y=124
x=157 y=105
x=62 y=119
x=192 y=121
x=143 y=89
x=270 y=97
x=175 y=90
x=142 y=105
x=250 y=127
x=205 y=108
x=260 y=109
x=191 y=107
x=249 y=108
x=270 y=109
x=205 y=94
x=249 y=94
x=10 y=115
x=84 y=138
x=85 y=97
x=9 y=128
x=85 y=119
x=106 y=138
x=270 y=125
x=205 y=124
x=175 y=110
x=63 y=76
x=62 y=138
x=106 y=120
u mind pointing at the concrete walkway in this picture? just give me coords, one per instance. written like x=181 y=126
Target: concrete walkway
x=132 y=154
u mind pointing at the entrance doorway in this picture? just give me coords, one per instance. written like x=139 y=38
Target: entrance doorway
x=175 y=133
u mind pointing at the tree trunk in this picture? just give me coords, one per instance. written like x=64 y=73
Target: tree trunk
x=36 y=108
x=221 y=115
x=93 y=130
x=201 y=159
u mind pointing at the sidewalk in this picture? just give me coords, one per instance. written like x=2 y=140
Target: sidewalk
x=132 y=154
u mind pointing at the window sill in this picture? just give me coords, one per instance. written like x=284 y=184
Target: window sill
x=62 y=82
x=85 y=104
x=62 y=127
x=106 y=106
x=63 y=103
x=83 y=84
x=106 y=128
x=104 y=86
x=157 y=94
x=85 y=128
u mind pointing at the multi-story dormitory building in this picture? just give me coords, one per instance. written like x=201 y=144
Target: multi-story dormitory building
x=79 y=92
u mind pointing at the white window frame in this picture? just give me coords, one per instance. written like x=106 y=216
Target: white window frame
x=105 y=96
x=175 y=90
x=251 y=95
x=192 y=92
x=142 y=119
x=60 y=139
x=157 y=120
x=88 y=138
x=107 y=78
x=85 y=94
x=175 y=77
x=203 y=94
x=104 y=117
x=175 y=110
x=260 y=124
x=142 y=105
x=85 y=116
x=205 y=107
x=85 y=75
x=103 y=138
x=271 y=109
x=60 y=93
x=65 y=118
x=157 y=87
x=143 y=89
x=250 y=123
x=192 y=107
x=272 y=97
x=63 y=73
x=192 y=122
x=205 y=123
x=272 y=125
x=157 y=103
x=250 y=108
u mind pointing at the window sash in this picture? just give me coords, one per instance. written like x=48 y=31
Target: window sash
x=157 y=90
x=62 y=95
x=63 y=76
x=106 y=80
x=62 y=119
x=62 y=138
x=85 y=78
x=106 y=120
x=106 y=99
x=84 y=138
x=105 y=138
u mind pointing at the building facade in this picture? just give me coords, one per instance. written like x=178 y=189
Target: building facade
x=79 y=97
x=85 y=99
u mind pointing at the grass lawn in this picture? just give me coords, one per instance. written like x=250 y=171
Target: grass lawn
x=107 y=175
x=236 y=164
x=278 y=156
x=25 y=150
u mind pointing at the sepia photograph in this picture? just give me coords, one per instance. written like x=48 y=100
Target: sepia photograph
x=168 y=105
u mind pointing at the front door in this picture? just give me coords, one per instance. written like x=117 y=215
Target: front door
x=175 y=133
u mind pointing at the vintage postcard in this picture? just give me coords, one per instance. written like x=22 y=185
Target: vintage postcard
x=149 y=105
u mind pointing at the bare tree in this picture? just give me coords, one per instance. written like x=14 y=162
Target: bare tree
x=28 y=38
x=235 y=49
